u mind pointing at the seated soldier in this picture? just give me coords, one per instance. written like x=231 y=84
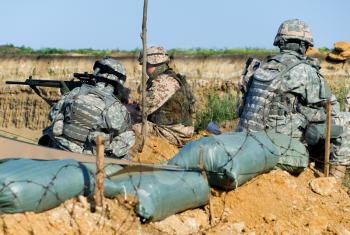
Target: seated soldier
x=347 y=102
x=88 y=111
x=287 y=94
x=169 y=100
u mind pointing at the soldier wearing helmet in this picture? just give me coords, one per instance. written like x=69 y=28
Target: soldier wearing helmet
x=169 y=99
x=88 y=111
x=287 y=93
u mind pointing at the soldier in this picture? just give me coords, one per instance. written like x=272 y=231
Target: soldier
x=169 y=100
x=88 y=111
x=287 y=93
x=347 y=101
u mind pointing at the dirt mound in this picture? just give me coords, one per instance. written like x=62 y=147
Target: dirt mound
x=276 y=202
x=271 y=203
x=155 y=150
x=341 y=51
x=312 y=51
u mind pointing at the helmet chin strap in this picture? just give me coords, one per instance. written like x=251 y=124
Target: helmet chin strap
x=299 y=47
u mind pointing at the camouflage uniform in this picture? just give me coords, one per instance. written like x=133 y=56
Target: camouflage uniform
x=88 y=111
x=287 y=93
x=168 y=101
x=347 y=102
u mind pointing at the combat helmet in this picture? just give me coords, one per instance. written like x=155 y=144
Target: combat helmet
x=294 y=29
x=155 y=55
x=110 y=69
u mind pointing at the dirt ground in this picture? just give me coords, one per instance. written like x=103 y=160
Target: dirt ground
x=272 y=203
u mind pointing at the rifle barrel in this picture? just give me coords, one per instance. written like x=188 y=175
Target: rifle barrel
x=16 y=83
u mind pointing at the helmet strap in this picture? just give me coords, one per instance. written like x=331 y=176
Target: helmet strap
x=159 y=70
x=299 y=47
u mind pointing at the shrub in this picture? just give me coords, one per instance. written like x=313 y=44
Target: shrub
x=217 y=109
x=339 y=88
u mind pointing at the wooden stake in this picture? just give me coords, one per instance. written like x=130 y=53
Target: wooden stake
x=328 y=138
x=99 y=171
x=144 y=75
x=204 y=173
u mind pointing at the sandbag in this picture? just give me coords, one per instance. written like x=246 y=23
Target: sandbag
x=293 y=157
x=109 y=169
x=33 y=185
x=233 y=158
x=29 y=185
x=230 y=159
x=317 y=132
x=162 y=193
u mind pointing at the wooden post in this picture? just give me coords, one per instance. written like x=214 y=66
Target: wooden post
x=328 y=138
x=99 y=171
x=144 y=75
x=204 y=173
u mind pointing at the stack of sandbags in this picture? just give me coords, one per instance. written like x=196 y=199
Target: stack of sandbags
x=233 y=158
x=161 y=191
x=341 y=51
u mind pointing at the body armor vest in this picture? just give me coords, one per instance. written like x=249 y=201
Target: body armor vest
x=178 y=109
x=80 y=118
x=267 y=102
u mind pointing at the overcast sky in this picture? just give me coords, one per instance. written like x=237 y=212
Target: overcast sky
x=116 y=24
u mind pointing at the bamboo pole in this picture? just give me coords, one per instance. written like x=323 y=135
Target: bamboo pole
x=328 y=138
x=99 y=171
x=144 y=75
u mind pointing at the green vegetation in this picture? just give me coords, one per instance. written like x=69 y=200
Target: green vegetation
x=10 y=49
x=217 y=109
x=226 y=51
x=324 y=49
x=339 y=89
x=346 y=180
x=341 y=93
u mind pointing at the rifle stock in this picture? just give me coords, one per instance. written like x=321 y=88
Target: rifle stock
x=67 y=86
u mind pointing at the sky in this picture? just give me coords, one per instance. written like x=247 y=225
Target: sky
x=116 y=24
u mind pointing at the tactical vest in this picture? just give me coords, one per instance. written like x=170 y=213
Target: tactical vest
x=267 y=102
x=178 y=109
x=80 y=118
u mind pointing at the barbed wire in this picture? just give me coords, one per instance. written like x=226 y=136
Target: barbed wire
x=136 y=182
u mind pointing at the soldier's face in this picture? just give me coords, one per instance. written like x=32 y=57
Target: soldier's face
x=150 y=69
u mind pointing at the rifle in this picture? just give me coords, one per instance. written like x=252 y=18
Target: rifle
x=67 y=86
x=121 y=92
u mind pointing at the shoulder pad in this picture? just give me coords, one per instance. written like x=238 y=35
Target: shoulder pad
x=314 y=62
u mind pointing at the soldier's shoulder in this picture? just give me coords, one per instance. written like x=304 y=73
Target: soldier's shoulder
x=168 y=79
x=71 y=94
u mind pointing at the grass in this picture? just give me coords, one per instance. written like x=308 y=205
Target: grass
x=225 y=51
x=339 y=88
x=341 y=93
x=10 y=49
x=217 y=109
x=346 y=180
x=324 y=49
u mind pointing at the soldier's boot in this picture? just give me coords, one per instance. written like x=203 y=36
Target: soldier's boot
x=338 y=171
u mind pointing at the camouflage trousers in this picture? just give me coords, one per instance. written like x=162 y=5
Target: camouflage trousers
x=341 y=155
x=176 y=134
x=116 y=149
